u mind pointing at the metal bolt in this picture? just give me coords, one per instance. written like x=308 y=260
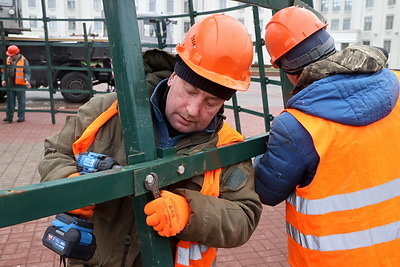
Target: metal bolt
x=149 y=178
x=181 y=169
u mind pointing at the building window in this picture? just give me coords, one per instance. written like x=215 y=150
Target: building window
x=366 y=42
x=152 y=5
x=346 y=24
x=335 y=25
x=324 y=5
x=336 y=5
x=222 y=4
x=98 y=25
x=33 y=23
x=51 y=3
x=97 y=4
x=386 y=45
x=31 y=3
x=170 y=6
x=186 y=26
x=389 y=22
x=369 y=3
x=52 y=24
x=71 y=25
x=367 y=23
x=186 y=7
x=391 y=2
x=71 y=4
x=347 y=5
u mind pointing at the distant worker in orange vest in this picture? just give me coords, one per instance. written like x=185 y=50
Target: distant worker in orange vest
x=18 y=75
x=333 y=153
x=217 y=209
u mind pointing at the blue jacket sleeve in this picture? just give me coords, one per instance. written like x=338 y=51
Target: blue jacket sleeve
x=290 y=160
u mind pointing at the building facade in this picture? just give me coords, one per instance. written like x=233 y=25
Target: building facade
x=93 y=9
x=368 y=22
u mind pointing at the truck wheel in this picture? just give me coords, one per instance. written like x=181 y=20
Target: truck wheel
x=77 y=81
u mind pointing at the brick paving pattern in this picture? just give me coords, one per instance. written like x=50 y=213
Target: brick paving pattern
x=21 y=148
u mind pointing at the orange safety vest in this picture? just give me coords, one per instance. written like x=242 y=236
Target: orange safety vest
x=188 y=254
x=19 y=72
x=349 y=215
x=88 y=136
x=193 y=254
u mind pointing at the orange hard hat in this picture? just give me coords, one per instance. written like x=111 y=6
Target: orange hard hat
x=12 y=50
x=287 y=28
x=219 y=48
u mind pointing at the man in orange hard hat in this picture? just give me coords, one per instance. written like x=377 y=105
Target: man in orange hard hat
x=217 y=209
x=332 y=154
x=18 y=75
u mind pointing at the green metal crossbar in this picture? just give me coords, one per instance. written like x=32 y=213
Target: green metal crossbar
x=31 y=202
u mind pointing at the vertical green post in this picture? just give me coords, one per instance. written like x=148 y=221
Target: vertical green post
x=88 y=66
x=45 y=20
x=236 y=113
x=192 y=14
x=263 y=81
x=134 y=108
x=161 y=44
x=8 y=88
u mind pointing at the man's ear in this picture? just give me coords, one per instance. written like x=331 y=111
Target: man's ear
x=171 y=79
x=293 y=78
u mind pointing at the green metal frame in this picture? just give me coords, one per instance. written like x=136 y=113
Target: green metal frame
x=35 y=201
x=47 y=43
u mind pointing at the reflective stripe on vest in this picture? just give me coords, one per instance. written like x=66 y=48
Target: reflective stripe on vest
x=349 y=214
x=194 y=254
x=19 y=72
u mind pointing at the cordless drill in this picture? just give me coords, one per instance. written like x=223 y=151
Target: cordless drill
x=89 y=162
x=71 y=236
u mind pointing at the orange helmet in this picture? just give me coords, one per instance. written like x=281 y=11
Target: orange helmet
x=289 y=27
x=12 y=50
x=219 y=48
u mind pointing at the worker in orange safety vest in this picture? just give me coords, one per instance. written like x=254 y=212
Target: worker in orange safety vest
x=18 y=75
x=201 y=213
x=332 y=154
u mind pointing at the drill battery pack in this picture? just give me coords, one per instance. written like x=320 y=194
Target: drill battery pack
x=70 y=237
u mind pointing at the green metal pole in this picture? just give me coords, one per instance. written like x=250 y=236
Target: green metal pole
x=8 y=88
x=192 y=13
x=134 y=109
x=236 y=115
x=161 y=44
x=263 y=84
x=48 y=62
x=88 y=66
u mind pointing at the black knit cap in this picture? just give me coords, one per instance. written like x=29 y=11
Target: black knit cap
x=187 y=74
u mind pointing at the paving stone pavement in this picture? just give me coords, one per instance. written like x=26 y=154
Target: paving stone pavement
x=21 y=148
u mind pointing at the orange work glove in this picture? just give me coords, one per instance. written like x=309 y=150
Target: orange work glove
x=86 y=212
x=168 y=214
